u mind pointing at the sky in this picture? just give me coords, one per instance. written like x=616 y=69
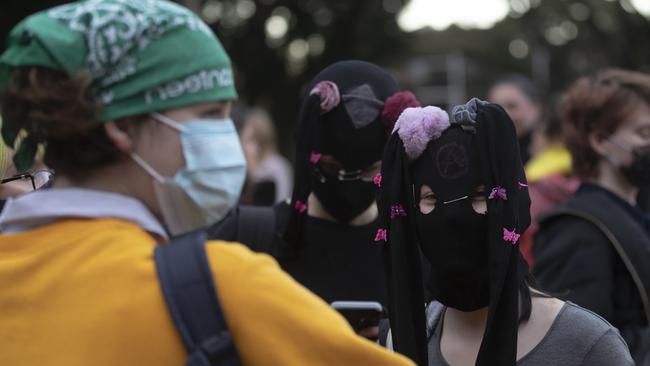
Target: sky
x=482 y=14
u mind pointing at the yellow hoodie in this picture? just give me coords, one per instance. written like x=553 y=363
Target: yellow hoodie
x=84 y=291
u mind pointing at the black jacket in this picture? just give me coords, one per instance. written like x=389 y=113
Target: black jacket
x=577 y=262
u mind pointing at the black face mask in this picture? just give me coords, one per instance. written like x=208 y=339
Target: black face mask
x=344 y=200
x=453 y=237
x=638 y=173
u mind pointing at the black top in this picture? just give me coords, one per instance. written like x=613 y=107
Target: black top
x=575 y=260
x=338 y=262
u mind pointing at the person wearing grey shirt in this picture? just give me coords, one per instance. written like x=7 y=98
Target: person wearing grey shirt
x=453 y=202
x=576 y=337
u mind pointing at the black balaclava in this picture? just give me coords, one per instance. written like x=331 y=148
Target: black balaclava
x=478 y=147
x=348 y=113
x=459 y=269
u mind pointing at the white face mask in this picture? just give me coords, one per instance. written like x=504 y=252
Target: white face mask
x=201 y=193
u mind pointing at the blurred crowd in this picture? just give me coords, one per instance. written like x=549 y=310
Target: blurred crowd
x=150 y=218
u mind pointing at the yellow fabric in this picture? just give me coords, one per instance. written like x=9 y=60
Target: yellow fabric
x=553 y=160
x=85 y=292
x=4 y=156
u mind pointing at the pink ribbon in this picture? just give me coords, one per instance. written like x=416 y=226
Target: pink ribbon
x=521 y=185
x=382 y=235
x=377 y=180
x=498 y=192
x=397 y=211
x=301 y=206
x=510 y=236
x=315 y=157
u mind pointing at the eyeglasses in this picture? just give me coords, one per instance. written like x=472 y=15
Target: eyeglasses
x=335 y=170
x=38 y=178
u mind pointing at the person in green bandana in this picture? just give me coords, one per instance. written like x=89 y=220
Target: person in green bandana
x=131 y=99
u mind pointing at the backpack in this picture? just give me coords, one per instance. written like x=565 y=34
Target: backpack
x=192 y=300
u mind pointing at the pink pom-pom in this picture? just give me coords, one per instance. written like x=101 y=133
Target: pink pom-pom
x=328 y=93
x=377 y=180
x=418 y=126
x=382 y=235
x=395 y=105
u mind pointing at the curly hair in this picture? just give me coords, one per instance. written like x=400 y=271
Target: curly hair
x=59 y=111
x=599 y=105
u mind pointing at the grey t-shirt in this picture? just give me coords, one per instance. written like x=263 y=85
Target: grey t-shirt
x=576 y=337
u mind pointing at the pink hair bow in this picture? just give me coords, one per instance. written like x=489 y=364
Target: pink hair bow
x=382 y=235
x=510 y=236
x=300 y=206
x=498 y=192
x=314 y=158
x=397 y=211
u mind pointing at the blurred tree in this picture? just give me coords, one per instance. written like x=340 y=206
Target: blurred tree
x=277 y=46
x=551 y=41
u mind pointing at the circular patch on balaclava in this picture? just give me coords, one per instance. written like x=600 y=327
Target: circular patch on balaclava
x=452 y=161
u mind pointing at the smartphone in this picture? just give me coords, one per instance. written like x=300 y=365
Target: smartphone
x=360 y=314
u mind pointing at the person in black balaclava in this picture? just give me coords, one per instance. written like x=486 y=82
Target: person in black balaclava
x=330 y=225
x=454 y=195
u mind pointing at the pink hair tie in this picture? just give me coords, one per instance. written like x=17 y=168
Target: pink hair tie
x=521 y=185
x=418 y=126
x=510 y=236
x=315 y=157
x=300 y=206
x=397 y=211
x=382 y=235
x=498 y=192
x=377 y=180
x=328 y=93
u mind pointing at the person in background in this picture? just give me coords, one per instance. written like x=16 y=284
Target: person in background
x=13 y=183
x=270 y=176
x=521 y=99
x=594 y=249
x=550 y=178
x=344 y=121
x=132 y=101
x=454 y=195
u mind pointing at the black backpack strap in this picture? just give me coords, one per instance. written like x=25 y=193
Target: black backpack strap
x=256 y=228
x=191 y=297
x=616 y=244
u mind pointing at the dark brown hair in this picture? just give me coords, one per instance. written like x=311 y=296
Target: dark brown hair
x=60 y=112
x=599 y=104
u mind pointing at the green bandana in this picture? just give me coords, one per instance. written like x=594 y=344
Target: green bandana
x=141 y=55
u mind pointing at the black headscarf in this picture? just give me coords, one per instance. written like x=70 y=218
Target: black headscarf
x=349 y=111
x=497 y=162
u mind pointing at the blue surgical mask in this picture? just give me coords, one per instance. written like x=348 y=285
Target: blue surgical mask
x=202 y=192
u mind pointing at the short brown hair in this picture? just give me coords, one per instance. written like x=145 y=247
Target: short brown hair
x=60 y=111
x=599 y=104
